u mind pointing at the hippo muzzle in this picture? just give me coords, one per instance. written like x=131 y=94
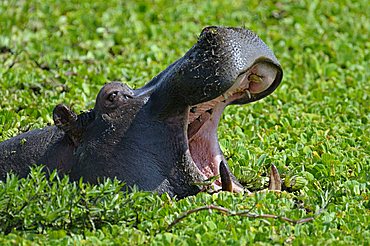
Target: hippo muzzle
x=165 y=138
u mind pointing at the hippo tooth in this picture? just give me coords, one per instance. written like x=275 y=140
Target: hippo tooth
x=249 y=94
x=227 y=184
x=275 y=181
x=241 y=80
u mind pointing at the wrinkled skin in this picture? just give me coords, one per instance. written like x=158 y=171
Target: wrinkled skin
x=162 y=137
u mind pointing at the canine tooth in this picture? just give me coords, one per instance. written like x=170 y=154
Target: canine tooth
x=227 y=184
x=255 y=78
x=242 y=78
x=275 y=181
x=249 y=94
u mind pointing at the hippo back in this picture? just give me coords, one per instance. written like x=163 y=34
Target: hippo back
x=42 y=146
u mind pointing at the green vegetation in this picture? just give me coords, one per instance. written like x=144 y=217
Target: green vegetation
x=315 y=128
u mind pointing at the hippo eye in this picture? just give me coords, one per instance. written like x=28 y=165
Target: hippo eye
x=112 y=96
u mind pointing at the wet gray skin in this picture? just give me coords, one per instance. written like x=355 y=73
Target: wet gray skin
x=52 y=146
x=162 y=137
x=48 y=145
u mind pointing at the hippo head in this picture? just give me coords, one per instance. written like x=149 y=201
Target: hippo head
x=163 y=137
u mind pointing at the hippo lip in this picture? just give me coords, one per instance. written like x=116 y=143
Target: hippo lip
x=252 y=84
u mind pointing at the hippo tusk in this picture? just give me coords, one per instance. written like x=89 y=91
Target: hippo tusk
x=275 y=181
x=227 y=184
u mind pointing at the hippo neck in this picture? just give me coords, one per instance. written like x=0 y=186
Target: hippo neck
x=149 y=132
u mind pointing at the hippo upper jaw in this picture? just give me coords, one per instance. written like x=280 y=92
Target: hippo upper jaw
x=226 y=66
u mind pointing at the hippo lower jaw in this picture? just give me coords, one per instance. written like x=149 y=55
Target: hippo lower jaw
x=203 y=120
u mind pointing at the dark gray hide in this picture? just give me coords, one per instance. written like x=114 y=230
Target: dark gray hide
x=163 y=136
x=43 y=146
x=52 y=146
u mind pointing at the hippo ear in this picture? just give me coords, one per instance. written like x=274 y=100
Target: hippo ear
x=70 y=123
x=63 y=117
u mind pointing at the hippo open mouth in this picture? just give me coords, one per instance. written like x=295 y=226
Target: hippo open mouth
x=203 y=120
x=163 y=136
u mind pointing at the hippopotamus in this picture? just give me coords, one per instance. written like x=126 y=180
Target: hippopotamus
x=161 y=137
